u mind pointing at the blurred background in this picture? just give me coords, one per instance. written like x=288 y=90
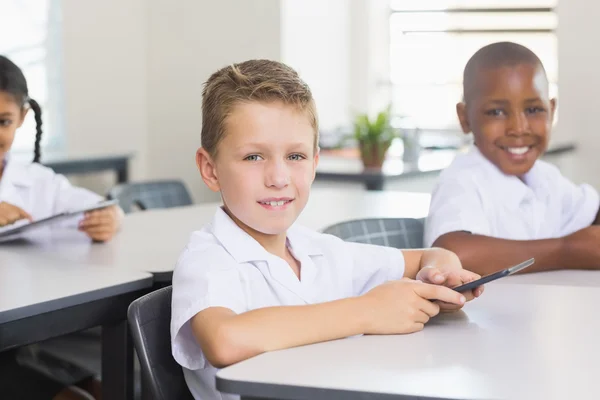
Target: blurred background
x=124 y=77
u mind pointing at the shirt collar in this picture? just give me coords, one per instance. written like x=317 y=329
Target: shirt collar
x=244 y=248
x=512 y=190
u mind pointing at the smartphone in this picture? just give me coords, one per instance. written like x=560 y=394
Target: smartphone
x=492 y=277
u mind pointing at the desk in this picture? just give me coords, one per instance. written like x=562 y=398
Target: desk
x=82 y=164
x=516 y=341
x=42 y=298
x=152 y=240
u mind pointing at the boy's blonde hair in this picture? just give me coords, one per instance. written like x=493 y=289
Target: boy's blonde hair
x=251 y=81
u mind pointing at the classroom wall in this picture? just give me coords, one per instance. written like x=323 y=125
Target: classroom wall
x=187 y=41
x=104 y=50
x=316 y=42
x=579 y=85
x=134 y=72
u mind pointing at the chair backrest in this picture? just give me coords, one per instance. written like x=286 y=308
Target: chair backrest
x=149 y=319
x=151 y=194
x=402 y=233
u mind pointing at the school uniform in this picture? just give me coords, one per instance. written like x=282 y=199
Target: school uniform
x=40 y=191
x=223 y=266
x=473 y=195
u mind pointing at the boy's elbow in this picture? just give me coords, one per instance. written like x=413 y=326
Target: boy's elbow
x=219 y=357
x=226 y=348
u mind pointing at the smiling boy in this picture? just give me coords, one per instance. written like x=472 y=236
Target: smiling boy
x=499 y=204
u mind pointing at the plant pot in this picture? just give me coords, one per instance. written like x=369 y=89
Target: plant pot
x=373 y=154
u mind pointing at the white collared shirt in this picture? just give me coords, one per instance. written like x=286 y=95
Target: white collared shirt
x=473 y=195
x=223 y=266
x=41 y=192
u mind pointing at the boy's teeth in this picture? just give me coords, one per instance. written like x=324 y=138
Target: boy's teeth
x=518 y=150
x=276 y=203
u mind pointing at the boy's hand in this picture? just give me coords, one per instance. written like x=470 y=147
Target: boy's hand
x=442 y=267
x=10 y=214
x=101 y=225
x=405 y=306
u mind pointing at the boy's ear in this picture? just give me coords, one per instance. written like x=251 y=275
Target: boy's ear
x=552 y=109
x=316 y=163
x=24 y=112
x=208 y=171
x=461 y=112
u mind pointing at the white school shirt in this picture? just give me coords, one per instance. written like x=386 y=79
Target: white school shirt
x=41 y=192
x=473 y=195
x=223 y=266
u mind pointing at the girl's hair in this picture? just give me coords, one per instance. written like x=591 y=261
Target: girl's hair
x=12 y=81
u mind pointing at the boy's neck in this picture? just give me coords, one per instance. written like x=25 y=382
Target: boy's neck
x=274 y=244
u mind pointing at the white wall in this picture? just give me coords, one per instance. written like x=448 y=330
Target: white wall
x=578 y=66
x=187 y=41
x=316 y=42
x=104 y=44
x=134 y=72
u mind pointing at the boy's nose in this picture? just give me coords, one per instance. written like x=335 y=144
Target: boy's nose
x=518 y=124
x=277 y=175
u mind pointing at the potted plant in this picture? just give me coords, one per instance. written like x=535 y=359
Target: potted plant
x=374 y=137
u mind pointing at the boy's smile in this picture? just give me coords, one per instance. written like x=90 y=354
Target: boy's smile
x=510 y=114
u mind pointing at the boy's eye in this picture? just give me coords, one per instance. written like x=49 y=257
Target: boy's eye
x=496 y=112
x=5 y=122
x=296 y=157
x=534 y=110
x=253 y=157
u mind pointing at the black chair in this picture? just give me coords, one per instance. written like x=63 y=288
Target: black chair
x=149 y=319
x=151 y=194
x=401 y=233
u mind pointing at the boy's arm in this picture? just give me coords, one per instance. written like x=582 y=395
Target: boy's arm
x=485 y=255
x=395 y=307
x=597 y=219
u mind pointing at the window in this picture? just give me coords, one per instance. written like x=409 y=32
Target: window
x=30 y=37
x=431 y=41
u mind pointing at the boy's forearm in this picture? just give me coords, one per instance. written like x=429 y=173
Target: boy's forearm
x=485 y=255
x=273 y=328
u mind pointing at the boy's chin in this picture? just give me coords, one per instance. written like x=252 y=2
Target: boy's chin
x=515 y=169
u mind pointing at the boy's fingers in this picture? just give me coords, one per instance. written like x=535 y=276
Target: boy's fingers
x=429 y=308
x=97 y=229
x=435 y=292
x=421 y=317
x=432 y=275
x=478 y=291
x=96 y=220
x=468 y=276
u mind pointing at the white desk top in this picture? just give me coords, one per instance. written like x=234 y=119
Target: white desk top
x=31 y=284
x=515 y=342
x=152 y=240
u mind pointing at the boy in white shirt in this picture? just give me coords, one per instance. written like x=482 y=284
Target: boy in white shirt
x=251 y=281
x=499 y=204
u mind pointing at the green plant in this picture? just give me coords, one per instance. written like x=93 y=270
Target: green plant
x=374 y=137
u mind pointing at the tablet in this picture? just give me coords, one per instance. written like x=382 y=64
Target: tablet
x=24 y=225
x=496 y=275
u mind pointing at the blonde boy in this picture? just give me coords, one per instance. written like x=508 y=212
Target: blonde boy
x=252 y=281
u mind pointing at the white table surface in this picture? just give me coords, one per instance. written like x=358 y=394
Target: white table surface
x=515 y=342
x=31 y=284
x=152 y=240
